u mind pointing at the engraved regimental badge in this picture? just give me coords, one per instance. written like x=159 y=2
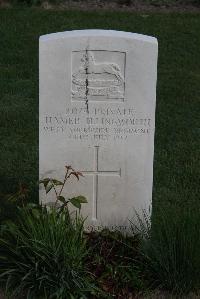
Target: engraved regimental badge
x=98 y=75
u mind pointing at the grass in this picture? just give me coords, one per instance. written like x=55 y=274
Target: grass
x=44 y=256
x=176 y=165
x=170 y=249
x=113 y=3
x=47 y=255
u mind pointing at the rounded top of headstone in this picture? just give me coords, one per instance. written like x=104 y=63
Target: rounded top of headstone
x=98 y=33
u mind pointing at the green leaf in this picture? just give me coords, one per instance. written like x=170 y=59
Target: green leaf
x=32 y=205
x=62 y=199
x=57 y=183
x=81 y=199
x=48 y=188
x=75 y=202
x=45 y=182
x=36 y=213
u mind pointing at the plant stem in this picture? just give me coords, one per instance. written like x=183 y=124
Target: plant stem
x=58 y=194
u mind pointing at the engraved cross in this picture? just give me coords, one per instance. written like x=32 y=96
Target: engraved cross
x=96 y=173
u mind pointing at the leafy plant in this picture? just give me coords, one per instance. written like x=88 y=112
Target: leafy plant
x=45 y=256
x=54 y=184
x=20 y=196
x=113 y=262
x=170 y=248
x=10 y=201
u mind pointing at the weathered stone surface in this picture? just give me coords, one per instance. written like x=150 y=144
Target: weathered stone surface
x=97 y=113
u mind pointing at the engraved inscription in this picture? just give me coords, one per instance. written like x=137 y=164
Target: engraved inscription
x=96 y=173
x=96 y=79
x=109 y=124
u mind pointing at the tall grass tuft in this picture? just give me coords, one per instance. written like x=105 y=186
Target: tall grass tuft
x=44 y=256
x=170 y=248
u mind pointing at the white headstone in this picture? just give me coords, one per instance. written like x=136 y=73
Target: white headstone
x=97 y=114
